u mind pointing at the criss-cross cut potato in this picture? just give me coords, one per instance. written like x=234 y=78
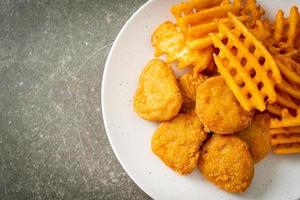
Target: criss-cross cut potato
x=285 y=133
x=287 y=29
x=246 y=65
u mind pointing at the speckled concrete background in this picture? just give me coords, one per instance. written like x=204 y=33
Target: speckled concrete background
x=52 y=140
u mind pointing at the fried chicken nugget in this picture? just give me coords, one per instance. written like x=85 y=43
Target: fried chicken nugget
x=257 y=136
x=188 y=84
x=218 y=109
x=226 y=162
x=177 y=142
x=157 y=97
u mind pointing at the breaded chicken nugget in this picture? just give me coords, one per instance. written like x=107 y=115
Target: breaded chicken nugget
x=188 y=84
x=226 y=162
x=177 y=142
x=257 y=136
x=218 y=109
x=157 y=97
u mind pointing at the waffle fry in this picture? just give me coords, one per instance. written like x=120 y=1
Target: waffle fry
x=287 y=120
x=285 y=100
x=247 y=67
x=278 y=26
x=287 y=149
x=294 y=54
x=285 y=133
x=261 y=30
x=200 y=18
x=288 y=90
x=285 y=32
x=252 y=9
x=285 y=139
x=289 y=68
x=186 y=8
x=292 y=89
x=275 y=109
x=287 y=29
x=168 y=39
x=280 y=48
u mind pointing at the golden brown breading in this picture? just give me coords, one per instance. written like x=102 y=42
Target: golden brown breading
x=226 y=162
x=157 y=97
x=177 y=142
x=257 y=137
x=188 y=84
x=218 y=109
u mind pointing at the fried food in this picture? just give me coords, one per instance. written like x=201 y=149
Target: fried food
x=286 y=140
x=197 y=19
x=284 y=101
x=287 y=29
x=211 y=70
x=287 y=148
x=188 y=84
x=168 y=39
x=257 y=136
x=186 y=8
x=275 y=109
x=226 y=162
x=261 y=30
x=288 y=94
x=285 y=133
x=177 y=142
x=218 y=109
x=157 y=97
x=246 y=65
x=287 y=120
x=205 y=61
x=239 y=64
x=289 y=68
x=253 y=10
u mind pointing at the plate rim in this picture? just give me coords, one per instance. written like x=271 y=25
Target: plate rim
x=103 y=83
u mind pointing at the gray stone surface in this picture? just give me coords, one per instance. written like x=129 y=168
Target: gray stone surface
x=52 y=140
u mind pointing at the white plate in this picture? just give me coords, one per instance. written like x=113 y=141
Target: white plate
x=276 y=177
